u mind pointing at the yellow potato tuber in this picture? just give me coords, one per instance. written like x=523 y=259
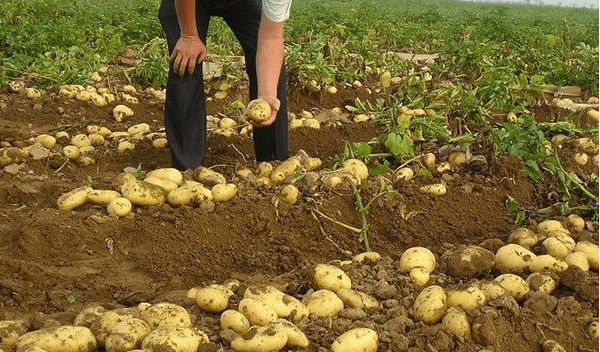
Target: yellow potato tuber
x=59 y=339
x=261 y=339
x=174 y=339
x=591 y=252
x=513 y=258
x=257 y=311
x=234 y=320
x=513 y=285
x=419 y=262
x=330 y=277
x=119 y=207
x=437 y=189
x=356 y=299
x=166 y=314
x=469 y=298
x=356 y=340
x=323 y=303
x=258 y=110
x=430 y=305
x=456 y=322
x=223 y=192
x=289 y=194
x=73 y=199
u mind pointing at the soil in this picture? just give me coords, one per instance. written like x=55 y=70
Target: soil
x=53 y=263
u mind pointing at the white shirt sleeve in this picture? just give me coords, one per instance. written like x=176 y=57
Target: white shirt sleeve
x=277 y=10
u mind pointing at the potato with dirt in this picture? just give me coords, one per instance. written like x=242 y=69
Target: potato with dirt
x=67 y=338
x=174 y=339
x=419 y=263
x=356 y=340
x=258 y=110
x=430 y=305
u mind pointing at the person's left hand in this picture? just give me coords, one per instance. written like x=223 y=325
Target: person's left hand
x=274 y=103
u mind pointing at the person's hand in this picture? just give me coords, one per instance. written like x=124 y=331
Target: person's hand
x=189 y=52
x=274 y=103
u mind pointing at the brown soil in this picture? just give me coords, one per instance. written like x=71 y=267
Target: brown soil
x=53 y=263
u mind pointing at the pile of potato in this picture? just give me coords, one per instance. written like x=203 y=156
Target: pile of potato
x=265 y=318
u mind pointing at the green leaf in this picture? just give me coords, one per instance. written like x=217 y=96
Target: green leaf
x=398 y=145
x=379 y=169
x=520 y=218
x=511 y=204
x=361 y=150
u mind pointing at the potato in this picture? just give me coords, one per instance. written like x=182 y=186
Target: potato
x=356 y=168
x=285 y=170
x=88 y=315
x=575 y=222
x=66 y=338
x=367 y=257
x=311 y=123
x=430 y=305
x=81 y=140
x=223 y=192
x=71 y=152
x=10 y=330
x=547 y=262
x=166 y=314
x=257 y=312
x=295 y=336
x=297 y=123
x=121 y=111
x=330 y=277
x=436 y=189
x=174 y=339
x=61 y=135
x=356 y=299
x=168 y=173
x=118 y=135
x=551 y=227
x=102 y=196
x=469 y=298
x=160 y=143
x=264 y=169
x=166 y=184
x=443 y=167
x=99 y=100
x=261 y=339
x=513 y=285
x=361 y=118
x=579 y=260
x=559 y=246
x=143 y=193
x=513 y=258
x=581 y=158
x=491 y=289
x=404 y=174
x=524 y=237
x=323 y=303
x=258 y=110
x=46 y=140
x=212 y=299
x=96 y=140
x=119 y=207
x=83 y=95
x=591 y=252
x=541 y=282
x=428 y=159
x=593 y=329
x=208 y=177
x=190 y=193
x=455 y=322
x=125 y=147
x=73 y=199
x=140 y=128
x=457 y=158
x=419 y=262
x=356 y=340
x=284 y=305
x=234 y=320
x=332 y=180
x=103 y=325
x=127 y=335
x=587 y=145
x=289 y=194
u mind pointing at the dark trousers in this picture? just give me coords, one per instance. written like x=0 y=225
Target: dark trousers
x=185 y=106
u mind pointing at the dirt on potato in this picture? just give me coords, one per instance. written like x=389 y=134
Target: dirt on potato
x=53 y=263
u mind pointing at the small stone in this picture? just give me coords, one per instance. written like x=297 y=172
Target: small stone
x=13 y=169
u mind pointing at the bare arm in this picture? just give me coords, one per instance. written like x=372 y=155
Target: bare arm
x=189 y=50
x=269 y=59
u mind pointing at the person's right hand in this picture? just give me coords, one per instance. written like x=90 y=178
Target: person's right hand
x=189 y=52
